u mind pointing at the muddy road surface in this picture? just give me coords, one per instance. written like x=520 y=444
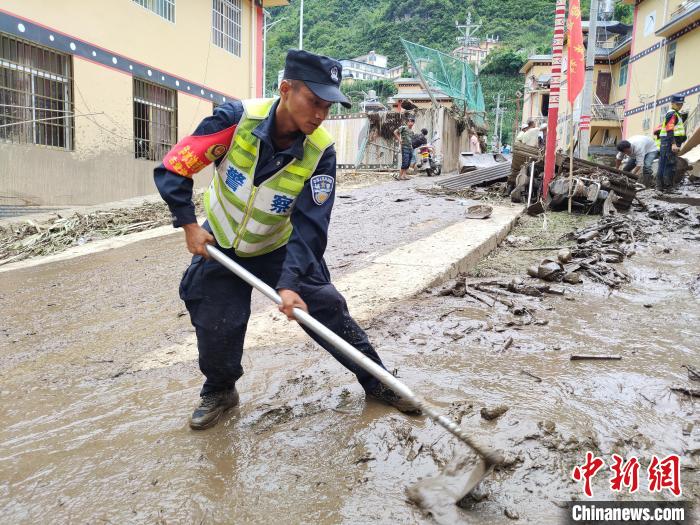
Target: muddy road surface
x=86 y=440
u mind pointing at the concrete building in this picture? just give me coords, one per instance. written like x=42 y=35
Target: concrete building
x=636 y=72
x=93 y=94
x=663 y=61
x=371 y=66
x=477 y=51
x=414 y=90
x=609 y=84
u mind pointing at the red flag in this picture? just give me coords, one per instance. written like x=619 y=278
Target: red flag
x=576 y=52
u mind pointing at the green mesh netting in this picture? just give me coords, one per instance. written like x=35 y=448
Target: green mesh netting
x=450 y=75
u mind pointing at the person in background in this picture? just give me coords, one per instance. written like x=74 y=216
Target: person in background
x=403 y=137
x=532 y=135
x=672 y=136
x=474 y=144
x=657 y=137
x=505 y=149
x=519 y=136
x=641 y=152
x=419 y=139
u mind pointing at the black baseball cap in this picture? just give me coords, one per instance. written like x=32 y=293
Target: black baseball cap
x=321 y=74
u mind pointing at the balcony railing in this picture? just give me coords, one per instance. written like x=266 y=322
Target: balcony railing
x=684 y=8
x=607 y=112
x=693 y=121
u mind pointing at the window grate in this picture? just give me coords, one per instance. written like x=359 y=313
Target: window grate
x=670 y=60
x=164 y=8
x=36 y=95
x=155 y=120
x=226 y=25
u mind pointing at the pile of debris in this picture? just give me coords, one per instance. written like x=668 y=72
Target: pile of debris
x=596 y=188
x=610 y=241
x=20 y=241
x=607 y=242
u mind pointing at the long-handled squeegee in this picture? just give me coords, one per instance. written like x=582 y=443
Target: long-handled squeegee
x=489 y=458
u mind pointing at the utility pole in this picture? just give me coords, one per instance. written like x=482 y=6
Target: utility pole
x=467 y=37
x=301 y=25
x=495 y=128
x=553 y=115
x=266 y=27
x=585 y=122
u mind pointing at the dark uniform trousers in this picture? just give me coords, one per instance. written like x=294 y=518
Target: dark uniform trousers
x=667 y=163
x=219 y=305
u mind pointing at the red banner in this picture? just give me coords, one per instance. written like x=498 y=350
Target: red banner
x=576 y=52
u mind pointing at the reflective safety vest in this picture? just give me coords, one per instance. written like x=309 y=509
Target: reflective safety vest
x=255 y=220
x=678 y=129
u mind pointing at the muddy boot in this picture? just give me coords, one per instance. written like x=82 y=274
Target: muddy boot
x=388 y=396
x=211 y=407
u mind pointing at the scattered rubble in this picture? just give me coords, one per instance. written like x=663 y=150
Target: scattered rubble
x=26 y=239
x=489 y=414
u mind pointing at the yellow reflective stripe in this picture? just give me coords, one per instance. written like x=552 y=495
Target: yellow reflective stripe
x=249 y=207
x=224 y=236
x=298 y=170
x=241 y=159
x=246 y=146
x=290 y=185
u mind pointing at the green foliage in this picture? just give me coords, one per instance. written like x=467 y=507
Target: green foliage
x=350 y=28
x=504 y=61
x=624 y=13
x=384 y=88
x=507 y=85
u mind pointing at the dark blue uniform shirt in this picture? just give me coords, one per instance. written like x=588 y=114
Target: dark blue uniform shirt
x=310 y=221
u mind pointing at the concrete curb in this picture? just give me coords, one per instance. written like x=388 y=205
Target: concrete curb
x=395 y=276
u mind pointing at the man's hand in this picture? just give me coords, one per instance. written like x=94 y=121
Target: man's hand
x=675 y=149
x=636 y=170
x=290 y=300
x=197 y=238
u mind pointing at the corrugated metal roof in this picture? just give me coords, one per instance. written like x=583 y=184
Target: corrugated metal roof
x=480 y=176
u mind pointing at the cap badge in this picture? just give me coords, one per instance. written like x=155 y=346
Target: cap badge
x=334 y=74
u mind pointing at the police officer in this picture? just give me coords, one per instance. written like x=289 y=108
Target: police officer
x=268 y=208
x=672 y=136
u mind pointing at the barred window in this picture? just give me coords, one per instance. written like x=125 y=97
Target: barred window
x=226 y=25
x=155 y=120
x=164 y=8
x=36 y=94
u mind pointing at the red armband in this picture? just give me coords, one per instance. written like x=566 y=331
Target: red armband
x=195 y=152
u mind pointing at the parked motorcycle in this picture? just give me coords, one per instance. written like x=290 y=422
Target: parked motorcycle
x=428 y=159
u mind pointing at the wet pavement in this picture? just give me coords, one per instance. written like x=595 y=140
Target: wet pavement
x=86 y=441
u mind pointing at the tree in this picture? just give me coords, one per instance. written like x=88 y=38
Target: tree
x=504 y=61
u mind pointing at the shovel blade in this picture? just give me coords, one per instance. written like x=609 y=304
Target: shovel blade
x=439 y=495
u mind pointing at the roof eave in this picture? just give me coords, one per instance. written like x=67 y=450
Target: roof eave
x=679 y=23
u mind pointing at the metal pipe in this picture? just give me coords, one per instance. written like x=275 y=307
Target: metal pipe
x=532 y=176
x=492 y=457
x=301 y=25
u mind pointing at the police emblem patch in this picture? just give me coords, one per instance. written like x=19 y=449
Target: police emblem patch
x=214 y=152
x=321 y=188
x=334 y=74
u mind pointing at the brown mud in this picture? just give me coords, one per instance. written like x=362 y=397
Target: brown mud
x=83 y=441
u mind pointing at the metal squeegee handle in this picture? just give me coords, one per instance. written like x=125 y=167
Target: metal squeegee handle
x=355 y=355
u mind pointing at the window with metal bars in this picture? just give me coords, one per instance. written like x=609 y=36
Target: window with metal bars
x=36 y=94
x=226 y=25
x=164 y=8
x=155 y=120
